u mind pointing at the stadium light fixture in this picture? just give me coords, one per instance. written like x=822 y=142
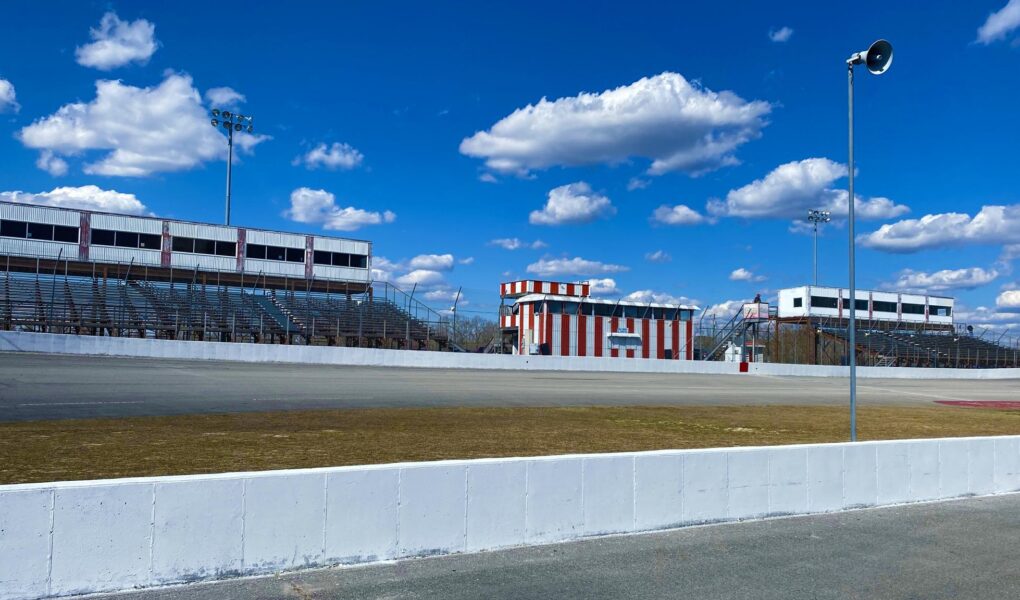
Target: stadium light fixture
x=231 y=122
x=878 y=59
x=816 y=217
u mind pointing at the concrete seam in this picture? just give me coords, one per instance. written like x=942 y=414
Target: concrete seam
x=584 y=508
x=400 y=487
x=325 y=511
x=152 y=531
x=49 y=558
x=467 y=504
x=244 y=519
x=938 y=470
x=633 y=493
x=527 y=490
x=842 y=477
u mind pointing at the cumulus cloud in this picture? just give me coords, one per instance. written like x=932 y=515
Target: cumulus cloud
x=992 y=225
x=573 y=203
x=116 y=43
x=724 y=310
x=1000 y=23
x=421 y=277
x=677 y=124
x=653 y=297
x=383 y=269
x=319 y=207
x=636 y=183
x=557 y=267
x=145 y=130
x=8 y=99
x=334 y=156
x=605 y=286
x=86 y=197
x=743 y=274
x=1010 y=252
x=659 y=256
x=793 y=188
x=946 y=279
x=681 y=214
x=516 y=244
x=998 y=317
x=434 y=262
x=780 y=35
x=224 y=97
x=54 y=165
x=1009 y=301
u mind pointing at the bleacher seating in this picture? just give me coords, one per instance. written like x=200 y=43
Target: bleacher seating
x=917 y=348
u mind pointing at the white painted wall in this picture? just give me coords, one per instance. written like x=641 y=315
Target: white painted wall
x=16 y=341
x=94 y=536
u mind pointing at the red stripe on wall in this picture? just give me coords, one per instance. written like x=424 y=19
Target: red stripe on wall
x=564 y=335
x=630 y=328
x=660 y=339
x=646 y=334
x=549 y=331
x=614 y=324
x=582 y=335
x=676 y=338
x=598 y=336
x=690 y=340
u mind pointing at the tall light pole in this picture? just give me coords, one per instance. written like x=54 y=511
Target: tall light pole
x=877 y=58
x=816 y=217
x=231 y=122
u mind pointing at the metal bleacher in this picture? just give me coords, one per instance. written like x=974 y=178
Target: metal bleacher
x=918 y=348
x=83 y=305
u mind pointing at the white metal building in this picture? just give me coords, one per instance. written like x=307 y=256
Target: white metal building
x=828 y=302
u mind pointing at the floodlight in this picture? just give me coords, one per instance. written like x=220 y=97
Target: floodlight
x=226 y=114
x=215 y=122
x=237 y=127
x=215 y=112
x=250 y=129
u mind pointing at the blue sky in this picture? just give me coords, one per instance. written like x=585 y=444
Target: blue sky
x=704 y=134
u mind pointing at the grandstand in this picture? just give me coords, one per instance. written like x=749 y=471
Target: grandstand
x=198 y=282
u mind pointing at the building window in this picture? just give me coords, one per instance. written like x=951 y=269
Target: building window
x=798 y=302
x=296 y=255
x=942 y=311
x=913 y=309
x=150 y=241
x=14 y=229
x=38 y=231
x=886 y=307
x=205 y=247
x=861 y=305
x=103 y=237
x=255 y=251
x=322 y=258
x=62 y=233
x=211 y=247
x=824 y=302
x=125 y=239
x=180 y=244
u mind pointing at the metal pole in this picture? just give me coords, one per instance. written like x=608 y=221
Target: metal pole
x=815 y=254
x=230 y=162
x=853 y=282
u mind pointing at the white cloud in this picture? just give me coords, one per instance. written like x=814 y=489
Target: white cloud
x=146 y=130
x=117 y=43
x=220 y=97
x=334 y=156
x=743 y=274
x=573 y=203
x=517 y=244
x=1009 y=301
x=1000 y=23
x=998 y=317
x=8 y=99
x=54 y=165
x=992 y=225
x=678 y=125
x=445 y=295
x=659 y=256
x=86 y=197
x=421 y=277
x=781 y=35
x=488 y=178
x=946 y=279
x=636 y=183
x=383 y=269
x=466 y=261
x=724 y=310
x=793 y=188
x=556 y=267
x=319 y=207
x=433 y=262
x=681 y=214
x=1010 y=252
x=603 y=287
x=653 y=297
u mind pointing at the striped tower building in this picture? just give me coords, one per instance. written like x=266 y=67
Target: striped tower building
x=561 y=319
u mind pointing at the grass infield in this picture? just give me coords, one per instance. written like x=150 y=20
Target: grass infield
x=138 y=446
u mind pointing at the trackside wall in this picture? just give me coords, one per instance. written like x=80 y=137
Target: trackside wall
x=94 y=536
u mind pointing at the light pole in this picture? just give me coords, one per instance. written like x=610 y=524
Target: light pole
x=231 y=122
x=816 y=217
x=877 y=58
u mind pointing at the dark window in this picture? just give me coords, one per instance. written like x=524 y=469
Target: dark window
x=226 y=249
x=341 y=259
x=861 y=305
x=184 y=244
x=15 y=229
x=256 y=251
x=798 y=302
x=62 y=233
x=205 y=247
x=103 y=237
x=295 y=255
x=823 y=302
x=913 y=309
x=359 y=261
x=570 y=308
x=880 y=306
x=38 y=231
x=126 y=239
x=276 y=253
x=633 y=312
x=603 y=310
x=322 y=258
x=553 y=307
x=150 y=241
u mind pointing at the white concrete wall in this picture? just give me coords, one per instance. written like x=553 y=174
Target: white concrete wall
x=16 y=341
x=94 y=536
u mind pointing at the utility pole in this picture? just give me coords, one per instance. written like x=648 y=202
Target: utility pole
x=231 y=122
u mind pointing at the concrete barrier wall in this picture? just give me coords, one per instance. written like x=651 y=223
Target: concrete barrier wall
x=16 y=341
x=94 y=536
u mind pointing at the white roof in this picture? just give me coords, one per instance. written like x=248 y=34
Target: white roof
x=538 y=297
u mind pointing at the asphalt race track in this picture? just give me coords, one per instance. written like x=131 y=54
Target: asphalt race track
x=960 y=550
x=38 y=386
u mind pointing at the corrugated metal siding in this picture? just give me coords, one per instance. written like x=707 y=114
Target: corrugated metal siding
x=37 y=248
x=124 y=255
x=203 y=261
x=348 y=246
x=270 y=238
x=203 y=232
x=123 y=223
x=274 y=267
x=38 y=214
x=344 y=273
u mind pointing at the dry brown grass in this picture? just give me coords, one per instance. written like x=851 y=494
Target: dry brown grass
x=101 y=448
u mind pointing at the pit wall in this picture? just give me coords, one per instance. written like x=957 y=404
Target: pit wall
x=52 y=343
x=95 y=536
